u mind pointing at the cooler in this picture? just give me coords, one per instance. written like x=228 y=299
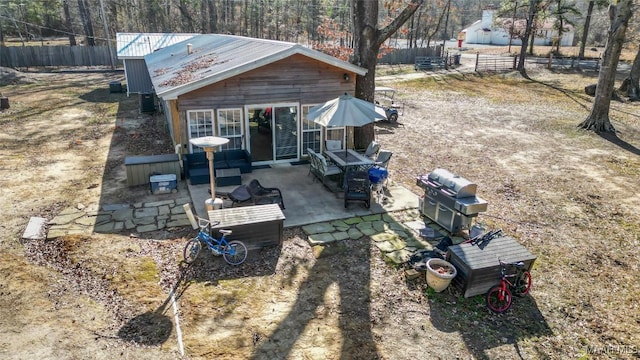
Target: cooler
x=163 y=184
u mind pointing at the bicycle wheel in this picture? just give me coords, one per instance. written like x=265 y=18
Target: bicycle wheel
x=522 y=284
x=191 y=250
x=498 y=299
x=235 y=253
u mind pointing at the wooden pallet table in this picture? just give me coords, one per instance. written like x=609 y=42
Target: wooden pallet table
x=479 y=268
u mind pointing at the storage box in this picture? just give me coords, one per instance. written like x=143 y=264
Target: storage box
x=115 y=87
x=162 y=184
x=478 y=267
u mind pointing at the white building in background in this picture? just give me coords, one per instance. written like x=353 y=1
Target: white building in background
x=489 y=31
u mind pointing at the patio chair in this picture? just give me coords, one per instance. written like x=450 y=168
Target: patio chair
x=314 y=162
x=357 y=186
x=383 y=158
x=332 y=145
x=372 y=149
x=237 y=196
x=325 y=170
x=261 y=195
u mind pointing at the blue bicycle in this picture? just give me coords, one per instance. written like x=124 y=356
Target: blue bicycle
x=233 y=252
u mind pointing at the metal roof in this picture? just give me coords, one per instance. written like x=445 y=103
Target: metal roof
x=137 y=45
x=216 y=57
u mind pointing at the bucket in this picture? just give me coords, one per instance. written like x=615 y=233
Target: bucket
x=213 y=204
x=440 y=273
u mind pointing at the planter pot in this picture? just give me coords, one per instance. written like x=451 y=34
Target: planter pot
x=440 y=273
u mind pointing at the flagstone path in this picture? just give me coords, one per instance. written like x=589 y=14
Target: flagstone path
x=397 y=234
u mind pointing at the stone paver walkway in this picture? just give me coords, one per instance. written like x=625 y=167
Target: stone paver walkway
x=138 y=217
x=397 y=235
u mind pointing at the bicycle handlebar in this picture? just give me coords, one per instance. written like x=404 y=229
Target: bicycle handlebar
x=203 y=223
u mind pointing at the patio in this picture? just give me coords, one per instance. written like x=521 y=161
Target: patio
x=308 y=201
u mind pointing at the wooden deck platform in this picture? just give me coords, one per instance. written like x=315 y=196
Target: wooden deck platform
x=479 y=268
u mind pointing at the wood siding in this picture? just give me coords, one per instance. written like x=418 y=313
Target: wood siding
x=294 y=79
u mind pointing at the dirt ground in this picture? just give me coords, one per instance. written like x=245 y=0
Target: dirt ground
x=571 y=197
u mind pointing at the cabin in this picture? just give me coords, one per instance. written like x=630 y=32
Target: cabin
x=255 y=92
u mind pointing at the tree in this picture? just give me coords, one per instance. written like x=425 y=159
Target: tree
x=368 y=39
x=533 y=10
x=587 y=24
x=85 y=16
x=631 y=85
x=598 y=119
x=562 y=11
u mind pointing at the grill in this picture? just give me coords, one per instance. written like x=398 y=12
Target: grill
x=449 y=200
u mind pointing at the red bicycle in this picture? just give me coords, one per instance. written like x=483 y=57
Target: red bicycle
x=499 y=297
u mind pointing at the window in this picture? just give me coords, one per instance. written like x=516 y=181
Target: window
x=337 y=133
x=200 y=124
x=230 y=127
x=311 y=132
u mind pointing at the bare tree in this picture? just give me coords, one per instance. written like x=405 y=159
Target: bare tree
x=631 y=85
x=598 y=119
x=367 y=40
x=67 y=22
x=587 y=24
x=85 y=16
x=526 y=37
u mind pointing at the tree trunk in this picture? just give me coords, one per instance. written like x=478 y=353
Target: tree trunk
x=631 y=85
x=525 y=38
x=85 y=16
x=585 y=29
x=213 y=17
x=368 y=39
x=598 y=119
x=67 y=23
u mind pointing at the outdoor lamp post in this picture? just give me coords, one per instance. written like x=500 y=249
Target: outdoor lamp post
x=209 y=144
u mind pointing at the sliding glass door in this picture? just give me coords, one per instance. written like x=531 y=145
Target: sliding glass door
x=273 y=131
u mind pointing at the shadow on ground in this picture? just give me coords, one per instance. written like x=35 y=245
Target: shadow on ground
x=521 y=322
x=348 y=265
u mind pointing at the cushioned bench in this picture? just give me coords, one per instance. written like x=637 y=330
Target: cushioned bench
x=196 y=166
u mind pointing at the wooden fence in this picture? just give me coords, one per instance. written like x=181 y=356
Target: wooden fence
x=408 y=56
x=56 y=56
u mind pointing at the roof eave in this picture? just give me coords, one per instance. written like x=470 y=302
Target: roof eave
x=173 y=93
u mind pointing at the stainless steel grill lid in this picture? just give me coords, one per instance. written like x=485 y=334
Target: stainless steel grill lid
x=454 y=185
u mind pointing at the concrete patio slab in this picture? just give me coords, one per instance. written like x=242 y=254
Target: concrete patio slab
x=306 y=200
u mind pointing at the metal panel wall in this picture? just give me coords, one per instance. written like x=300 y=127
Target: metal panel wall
x=138 y=80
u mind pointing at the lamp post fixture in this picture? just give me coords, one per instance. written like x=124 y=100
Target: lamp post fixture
x=209 y=144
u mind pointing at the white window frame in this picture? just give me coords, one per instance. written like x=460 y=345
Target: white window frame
x=317 y=128
x=237 y=120
x=194 y=115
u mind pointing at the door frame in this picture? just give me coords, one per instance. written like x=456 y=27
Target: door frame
x=273 y=142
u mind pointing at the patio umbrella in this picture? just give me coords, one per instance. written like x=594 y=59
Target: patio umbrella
x=346 y=110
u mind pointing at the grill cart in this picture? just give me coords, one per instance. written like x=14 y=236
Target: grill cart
x=449 y=200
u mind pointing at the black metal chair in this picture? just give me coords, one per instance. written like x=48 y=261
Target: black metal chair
x=357 y=186
x=261 y=195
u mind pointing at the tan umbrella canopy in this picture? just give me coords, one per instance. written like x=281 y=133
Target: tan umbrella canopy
x=346 y=110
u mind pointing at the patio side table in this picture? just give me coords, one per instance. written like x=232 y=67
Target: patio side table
x=226 y=177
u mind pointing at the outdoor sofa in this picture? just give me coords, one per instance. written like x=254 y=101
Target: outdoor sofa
x=196 y=166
